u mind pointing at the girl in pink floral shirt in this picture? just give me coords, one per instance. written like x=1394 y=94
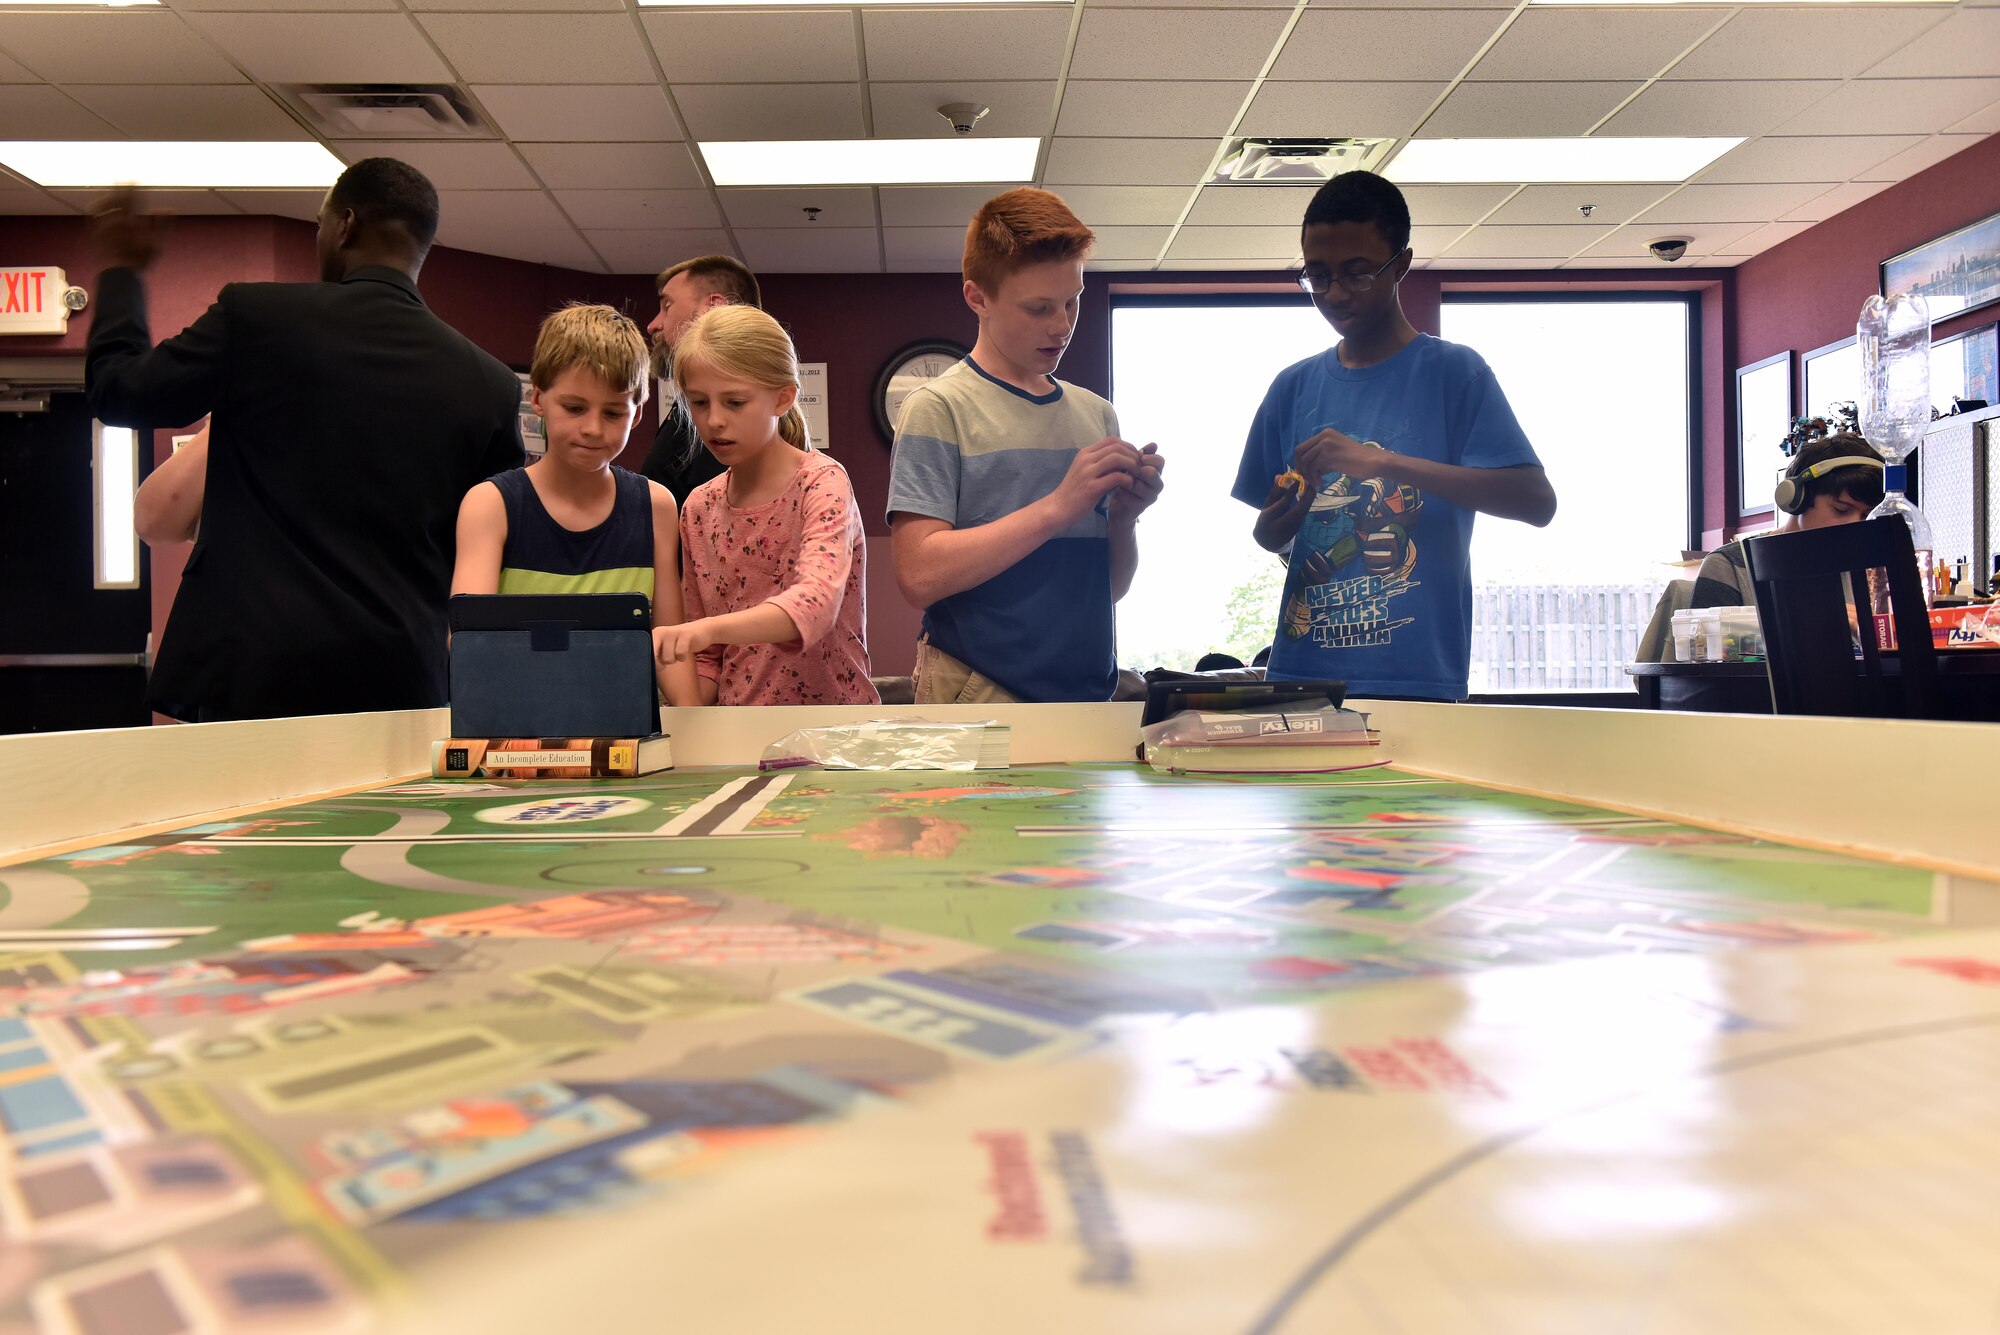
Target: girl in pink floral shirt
x=772 y=558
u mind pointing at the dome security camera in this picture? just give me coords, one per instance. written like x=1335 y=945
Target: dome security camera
x=1667 y=249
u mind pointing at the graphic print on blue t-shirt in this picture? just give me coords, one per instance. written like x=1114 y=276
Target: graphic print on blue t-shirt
x=1379 y=593
x=1353 y=554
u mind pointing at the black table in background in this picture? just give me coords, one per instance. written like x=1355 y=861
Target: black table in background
x=1968 y=685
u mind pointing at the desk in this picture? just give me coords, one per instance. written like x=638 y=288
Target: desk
x=1968 y=685
x=1067 y=1048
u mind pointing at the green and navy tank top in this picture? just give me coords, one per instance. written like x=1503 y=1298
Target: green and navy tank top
x=541 y=556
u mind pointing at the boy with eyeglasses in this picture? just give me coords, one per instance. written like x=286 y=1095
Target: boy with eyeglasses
x=1366 y=463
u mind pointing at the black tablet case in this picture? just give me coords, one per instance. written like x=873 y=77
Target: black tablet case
x=552 y=665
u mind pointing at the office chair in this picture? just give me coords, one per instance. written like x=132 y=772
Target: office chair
x=1801 y=582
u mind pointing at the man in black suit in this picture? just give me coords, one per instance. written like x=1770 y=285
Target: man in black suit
x=347 y=422
x=677 y=460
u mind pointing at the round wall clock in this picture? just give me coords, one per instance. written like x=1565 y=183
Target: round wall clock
x=906 y=369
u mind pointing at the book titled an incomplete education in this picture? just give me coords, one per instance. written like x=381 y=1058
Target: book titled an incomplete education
x=550 y=757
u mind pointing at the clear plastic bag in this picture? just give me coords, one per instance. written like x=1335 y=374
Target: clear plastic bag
x=892 y=744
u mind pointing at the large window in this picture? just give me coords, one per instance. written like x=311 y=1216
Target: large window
x=1602 y=387
x=1188 y=374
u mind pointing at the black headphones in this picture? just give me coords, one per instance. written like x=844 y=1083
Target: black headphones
x=1795 y=490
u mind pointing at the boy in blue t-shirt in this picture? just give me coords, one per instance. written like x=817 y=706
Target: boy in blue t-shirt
x=1368 y=461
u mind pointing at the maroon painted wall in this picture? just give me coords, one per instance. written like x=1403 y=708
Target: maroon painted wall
x=1806 y=293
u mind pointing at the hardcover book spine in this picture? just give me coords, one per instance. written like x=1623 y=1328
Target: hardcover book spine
x=534 y=758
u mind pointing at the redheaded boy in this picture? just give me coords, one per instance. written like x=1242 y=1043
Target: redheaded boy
x=1011 y=498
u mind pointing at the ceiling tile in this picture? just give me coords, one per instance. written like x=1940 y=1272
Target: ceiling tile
x=1527 y=110
x=825 y=250
x=543 y=113
x=1631 y=242
x=924 y=249
x=559 y=246
x=188 y=6
x=1369 y=110
x=1926 y=154
x=1837 y=200
x=1986 y=121
x=1558 y=204
x=1896 y=106
x=113 y=46
x=12 y=71
x=613 y=166
x=1705 y=203
x=1962 y=45
x=1770 y=234
x=1531 y=242
x=650 y=250
x=639 y=208
x=1174 y=44
x=1127 y=205
x=1805 y=158
x=552 y=48
x=1186 y=109
x=1250 y=205
x=1425 y=241
x=1255 y=266
x=1565 y=43
x=175 y=111
x=1805 y=43
x=20 y=201
x=327 y=48
x=1492 y=262
x=451 y=166
x=910 y=110
x=1437 y=205
x=494 y=5
x=933 y=205
x=1129 y=243
x=182 y=203
x=848 y=206
x=965 y=43
x=527 y=209
x=1702 y=108
x=1273 y=245
x=1117 y=266
x=37 y=111
x=794 y=47
x=1128 y=161
x=1394 y=44
x=300 y=204
x=771 y=111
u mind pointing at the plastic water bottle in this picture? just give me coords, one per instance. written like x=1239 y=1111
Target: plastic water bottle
x=1895 y=339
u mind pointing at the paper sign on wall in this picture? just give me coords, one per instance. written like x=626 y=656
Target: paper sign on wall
x=31 y=300
x=812 y=402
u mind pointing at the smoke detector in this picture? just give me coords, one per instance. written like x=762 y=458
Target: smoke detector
x=1293 y=161
x=388 y=111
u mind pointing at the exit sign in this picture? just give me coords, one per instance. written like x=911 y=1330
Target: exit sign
x=31 y=300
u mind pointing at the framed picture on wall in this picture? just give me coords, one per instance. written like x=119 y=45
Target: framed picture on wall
x=1957 y=272
x=1832 y=375
x=1963 y=367
x=1763 y=418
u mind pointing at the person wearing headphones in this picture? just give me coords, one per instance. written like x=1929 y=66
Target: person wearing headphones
x=1836 y=479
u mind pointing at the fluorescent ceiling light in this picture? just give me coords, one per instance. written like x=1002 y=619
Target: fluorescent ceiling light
x=182 y=164
x=1529 y=161
x=871 y=161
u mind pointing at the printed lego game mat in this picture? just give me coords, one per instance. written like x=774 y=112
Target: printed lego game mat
x=1080 y=1048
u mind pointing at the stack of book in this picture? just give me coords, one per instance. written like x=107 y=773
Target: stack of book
x=550 y=757
x=1304 y=741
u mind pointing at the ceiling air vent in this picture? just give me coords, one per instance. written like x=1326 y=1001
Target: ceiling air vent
x=1262 y=161
x=388 y=111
